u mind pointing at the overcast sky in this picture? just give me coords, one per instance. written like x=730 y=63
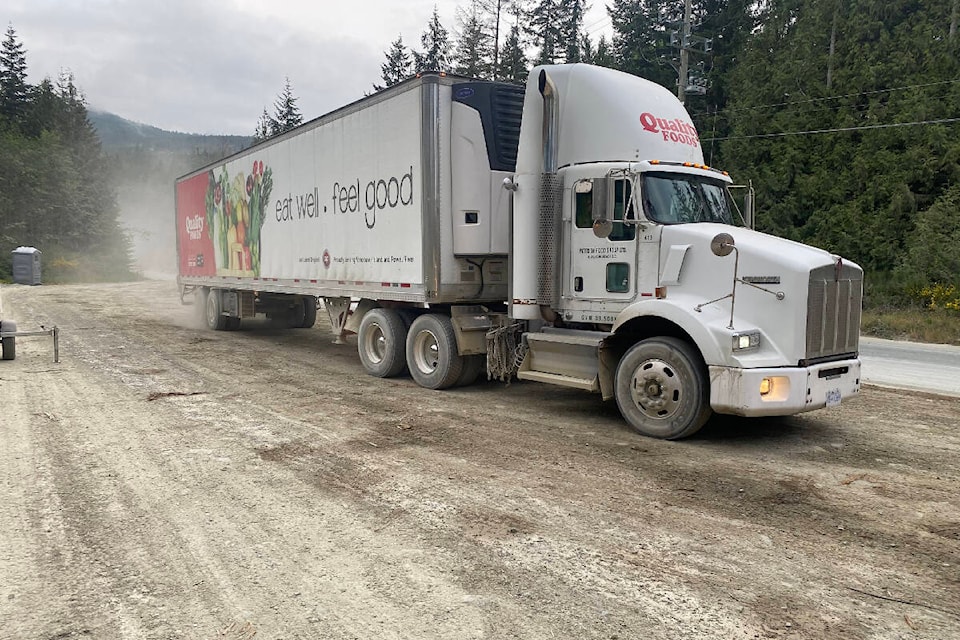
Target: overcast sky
x=211 y=66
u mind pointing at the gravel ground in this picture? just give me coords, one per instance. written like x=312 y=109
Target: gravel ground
x=165 y=481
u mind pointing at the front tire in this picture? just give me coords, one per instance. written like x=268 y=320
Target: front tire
x=662 y=388
x=381 y=341
x=432 y=352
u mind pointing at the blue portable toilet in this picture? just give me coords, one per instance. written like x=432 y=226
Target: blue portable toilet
x=26 y=265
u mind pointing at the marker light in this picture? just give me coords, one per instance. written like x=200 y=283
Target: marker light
x=748 y=340
x=766 y=386
x=774 y=389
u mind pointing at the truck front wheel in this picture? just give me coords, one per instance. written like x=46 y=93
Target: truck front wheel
x=381 y=342
x=432 y=352
x=662 y=388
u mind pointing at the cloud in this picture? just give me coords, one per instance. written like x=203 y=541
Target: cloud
x=211 y=66
x=193 y=66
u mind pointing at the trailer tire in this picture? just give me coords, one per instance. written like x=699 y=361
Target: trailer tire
x=473 y=366
x=232 y=323
x=309 y=312
x=381 y=342
x=432 y=352
x=662 y=389
x=9 y=344
x=408 y=315
x=200 y=304
x=213 y=311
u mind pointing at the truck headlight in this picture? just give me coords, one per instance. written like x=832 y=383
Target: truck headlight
x=746 y=340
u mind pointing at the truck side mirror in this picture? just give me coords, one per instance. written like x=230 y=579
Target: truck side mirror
x=602 y=224
x=722 y=245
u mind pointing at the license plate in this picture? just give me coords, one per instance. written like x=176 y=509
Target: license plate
x=833 y=397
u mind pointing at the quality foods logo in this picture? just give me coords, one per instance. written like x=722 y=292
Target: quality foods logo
x=672 y=130
x=195 y=227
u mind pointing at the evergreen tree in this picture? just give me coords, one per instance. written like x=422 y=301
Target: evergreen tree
x=286 y=112
x=265 y=125
x=598 y=54
x=641 y=38
x=859 y=191
x=544 y=26
x=436 y=47
x=555 y=28
x=729 y=24
x=44 y=109
x=603 y=55
x=397 y=66
x=473 y=56
x=493 y=11
x=571 y=31
x=55 y=187
x=14 y=91
x=586 y=52
x=931 y=251
x=513 y=66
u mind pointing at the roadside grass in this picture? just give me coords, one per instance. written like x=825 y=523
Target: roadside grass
x=938 y=326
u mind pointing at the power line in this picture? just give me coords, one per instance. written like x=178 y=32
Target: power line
x=837 y=97
x=837 y=130
x=599 y=25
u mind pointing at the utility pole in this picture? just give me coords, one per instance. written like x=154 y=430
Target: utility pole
x=684 y=54
x=953 y=19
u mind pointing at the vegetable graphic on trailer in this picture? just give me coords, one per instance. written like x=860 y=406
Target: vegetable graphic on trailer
x=235 y=215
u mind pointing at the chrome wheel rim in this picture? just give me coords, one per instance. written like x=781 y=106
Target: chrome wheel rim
x=426 y=352
x=375 y=344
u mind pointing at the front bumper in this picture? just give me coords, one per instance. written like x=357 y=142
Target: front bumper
x=788 y=390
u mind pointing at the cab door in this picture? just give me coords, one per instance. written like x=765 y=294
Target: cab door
x=602 y=254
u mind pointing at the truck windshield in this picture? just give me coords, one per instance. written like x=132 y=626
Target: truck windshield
x=673 y=198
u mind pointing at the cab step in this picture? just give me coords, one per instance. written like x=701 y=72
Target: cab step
x=563 y=358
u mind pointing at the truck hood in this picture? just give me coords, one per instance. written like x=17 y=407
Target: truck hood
x=786 y=290
x=755 y=248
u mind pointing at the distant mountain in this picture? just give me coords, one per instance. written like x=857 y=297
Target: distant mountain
x=119 y=133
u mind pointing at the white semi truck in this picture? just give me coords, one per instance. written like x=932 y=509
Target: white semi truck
x=566 y=233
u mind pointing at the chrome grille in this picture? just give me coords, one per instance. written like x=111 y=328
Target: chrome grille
x=834 y=300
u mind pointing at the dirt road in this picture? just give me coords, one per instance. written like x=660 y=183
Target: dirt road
x=164 y=481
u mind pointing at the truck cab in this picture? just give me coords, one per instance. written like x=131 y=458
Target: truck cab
x=647 y=285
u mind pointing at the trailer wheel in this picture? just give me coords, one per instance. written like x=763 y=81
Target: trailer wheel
x=9 y=344
x=381 y=341
x=473 y=366
x=200 y=304
x=309 y=312
x=662 y=388
x=213 y=311
x=432 y=352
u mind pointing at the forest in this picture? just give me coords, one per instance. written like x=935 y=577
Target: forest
x=56 y=192
x=843 y=114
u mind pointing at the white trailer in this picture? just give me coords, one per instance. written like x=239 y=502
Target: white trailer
x=567 y=233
